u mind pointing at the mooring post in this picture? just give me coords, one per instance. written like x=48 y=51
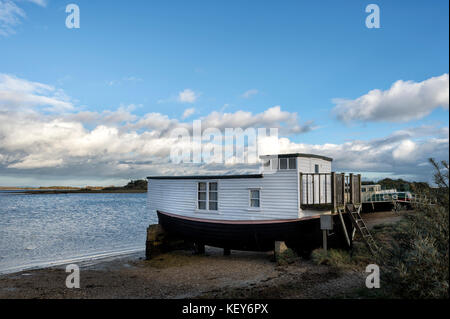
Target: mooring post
x=199 y=248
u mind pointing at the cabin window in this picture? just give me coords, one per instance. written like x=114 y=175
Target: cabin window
x=267 y=164
x=202 y=195
x=283 y=163
x=213 y=196
x=208 y=197
x=316 y=169
x=293 y=163
x=255 y=198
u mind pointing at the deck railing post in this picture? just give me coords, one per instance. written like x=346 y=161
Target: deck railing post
x=300 y=189
x=343 y=189
x=333 y=191
x=319 y=189
x=359 y=190
x=352 y=198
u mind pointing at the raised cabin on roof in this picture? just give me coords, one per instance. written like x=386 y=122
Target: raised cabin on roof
x=290 y=188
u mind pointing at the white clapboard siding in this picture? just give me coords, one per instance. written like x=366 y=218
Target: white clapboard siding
x=279 y=197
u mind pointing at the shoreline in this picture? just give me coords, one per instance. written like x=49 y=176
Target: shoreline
x=82 y=191
x=82 y=260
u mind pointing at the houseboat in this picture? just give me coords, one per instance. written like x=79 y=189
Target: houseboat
x=283 y=202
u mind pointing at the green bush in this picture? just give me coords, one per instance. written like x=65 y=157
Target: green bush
x=333 y=257
x=416 y=263
x=287 y=257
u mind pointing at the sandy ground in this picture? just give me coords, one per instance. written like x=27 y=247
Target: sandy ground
x=180 y=274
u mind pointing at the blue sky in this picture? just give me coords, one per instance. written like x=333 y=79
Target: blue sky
x=299 y=55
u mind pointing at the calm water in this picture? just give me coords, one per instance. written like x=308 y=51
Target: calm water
x=39 y=230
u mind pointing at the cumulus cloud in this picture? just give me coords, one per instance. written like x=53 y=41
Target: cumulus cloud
x=74 y=144
x=42 y=132
x=249 y=93
x=187 y=96
x=20 y=93
x=403 y=101
x=11 y=15
x=402 y=153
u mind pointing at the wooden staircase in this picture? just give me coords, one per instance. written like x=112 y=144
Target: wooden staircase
x=361 y=227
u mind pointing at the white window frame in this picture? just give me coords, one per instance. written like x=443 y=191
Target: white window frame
x=207 y=210
x=250 y=208
x=288 y=168
x=275 y=164
x=287 y=163
x=295 y=161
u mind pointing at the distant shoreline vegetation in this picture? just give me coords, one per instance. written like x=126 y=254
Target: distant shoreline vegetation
x=134 y=186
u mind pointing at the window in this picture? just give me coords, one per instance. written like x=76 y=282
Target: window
x=202 y=195
x=316 y=169
x=255 y=198
x=283 y=163
x=213 y=196
x=293 y=163
x=208 y=197
x=267 y=163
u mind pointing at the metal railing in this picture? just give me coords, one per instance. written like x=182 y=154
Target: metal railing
x=329 y=189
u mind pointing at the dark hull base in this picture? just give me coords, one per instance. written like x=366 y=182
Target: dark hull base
x=300 y=235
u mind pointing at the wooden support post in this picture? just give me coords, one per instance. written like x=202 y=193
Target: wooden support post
x=351 y=189
x=344 y=228
x=343 y=189
x=333 y=191
x=359 y=189
x=159 y=241
x=280 y=248
x=199 y=248
x=324 y=234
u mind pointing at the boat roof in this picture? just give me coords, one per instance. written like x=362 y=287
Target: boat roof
x=208 y=176
x=297 y=155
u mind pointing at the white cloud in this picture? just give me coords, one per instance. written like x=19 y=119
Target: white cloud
x=11 y=15
x=187 y=113
x=15 y=92
x=404 y=101
x=187 y=96
x=405 y=151
x=118 y=144
x=250 y=93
